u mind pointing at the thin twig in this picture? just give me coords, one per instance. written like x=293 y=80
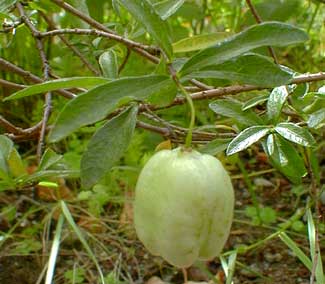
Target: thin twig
x=259 y=20
x=8 y=126
x=125 y=60
x=11 y=85
x=46 y=76
x=144 y=52
x=70 y=46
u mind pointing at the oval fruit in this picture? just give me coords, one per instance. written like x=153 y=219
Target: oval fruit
x=183 y=206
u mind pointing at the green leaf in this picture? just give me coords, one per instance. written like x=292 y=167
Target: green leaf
x=166 y=8
x=246 y=138
x=54 y=251
x=15 y=164
x=108 y=64
x=295 y=133
x=40 y=175
x=249 y=68
x=48 y=159
x=317 y=118
x=320 y=278
x=6 y=146
x=198 y=42
x=57 y=84
x=146 y=14
x=265 y=34
x=285 y=158
x=255 y=101
x=215 y=146
x=277 y=10
x=75 y=228
x=97 y=103
x=296 y=250
x=5 y=4
x=107 y=146
x=276 y=101
x=3 y=167
x=233 y=109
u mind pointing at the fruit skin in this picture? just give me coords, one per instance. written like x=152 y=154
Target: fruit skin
x=183 y=206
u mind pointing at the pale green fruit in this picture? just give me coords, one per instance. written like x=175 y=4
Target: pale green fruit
x=183 y=206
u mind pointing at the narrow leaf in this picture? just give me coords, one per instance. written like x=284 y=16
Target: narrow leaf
x=233 y=109
x=15 y=164
x=276 y=101
x=108 y=64
x=317 y=118
x=198 y=42
x=75 y=228
x=54 y=251
x=97 y=103
x=295 y=133
x=5 y=4
x=254 y=101
x=246 y=138
x=285 y=158
x=48 y=159
x=6 y=146
x=265 y=34
x=37 y=176
x=311 y=234
x=166 y=8
x=296 y=250
x=145 y=13
x=249 y=68
x=107 y=146
x=80 y=82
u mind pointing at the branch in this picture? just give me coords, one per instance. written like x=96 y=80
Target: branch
x=69 y=45
x=8 y=126
x=28 y=76
x=236 y=89
x=129 y=43
x=11 y=85
x=143 y=52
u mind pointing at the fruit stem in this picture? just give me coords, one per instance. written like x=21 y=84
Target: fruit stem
x=173 y=73
x=188 y=140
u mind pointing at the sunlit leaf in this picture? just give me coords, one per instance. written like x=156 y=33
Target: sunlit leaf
x=108 y=64
x=166 y=8
x=246 y=138
x=295 y=133
x=317 y=118
x=5 y=4
x=276 y=101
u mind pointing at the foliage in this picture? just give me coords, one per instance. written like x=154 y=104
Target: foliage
x=90 y=88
